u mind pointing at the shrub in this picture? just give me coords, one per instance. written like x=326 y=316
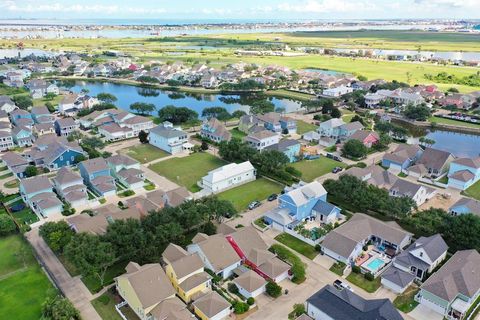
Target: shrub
x=298 y=268
x=232 y=288
x=251 y=301
x=7 y=225
x=273 y=289
x=128 y=193
x=369 y=276
x=356 y=269
x=240 y=307
x=318 y=248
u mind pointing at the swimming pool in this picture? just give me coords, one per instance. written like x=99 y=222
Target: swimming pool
x=375 y=264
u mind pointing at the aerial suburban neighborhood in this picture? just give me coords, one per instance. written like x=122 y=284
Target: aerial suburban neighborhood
x=236 y=169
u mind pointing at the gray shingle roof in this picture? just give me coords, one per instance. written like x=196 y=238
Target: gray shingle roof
x=167 y=132
x=473 y=205
x=434 y=247
x=434 y=158
x=398 y=277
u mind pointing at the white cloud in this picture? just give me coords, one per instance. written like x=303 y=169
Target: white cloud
x=325 y=6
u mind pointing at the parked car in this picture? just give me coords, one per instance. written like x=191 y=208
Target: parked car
x=330 y=155
x=337 y=158
x=339 y=285
x=254 y=204
x=337 y=169
x=272 y=197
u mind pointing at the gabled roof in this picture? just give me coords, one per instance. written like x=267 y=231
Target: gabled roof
x=211 y=304
x=323 y=207
x=433 y=246
x=356 y=125
x=406 y=188
x=66 y=122
x=402 y=153
x=250 y=281
x=187 y=265
x=471 y=204
x=218 y=252
x=305 y=193
x=94 y=165
x=35 y=184
x=13 y=159
x=173 y=253
x=460 y=274
x=468 y=162
x=332 y=123
x=227 y=171
x=167 y=132
x=171 y=309
x=347 y=305
x=42 y=110
x=398 y=277
x=260 y=135
x=283 y=145
x=120 y=159
x=361 y=135
x=462 y=175
x=434 y=158
x=65 y=175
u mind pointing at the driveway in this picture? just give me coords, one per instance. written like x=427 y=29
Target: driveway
x=423 y=313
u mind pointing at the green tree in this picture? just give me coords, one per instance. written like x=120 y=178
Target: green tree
x=420 y=112
x=273 y=289
x=143 y=136
x=106 y=97
x=147 y=79
x=128 y=240
x=90 y=255
x=177 y=115
x=50 y=96
x=56 y=234
x=354 y=149
x=59 y=308
x=216 y=112
x=336 y=113
x=142 y=107
x=204 y=146
x=23 y=102
x=7 y=226
x=31 y=171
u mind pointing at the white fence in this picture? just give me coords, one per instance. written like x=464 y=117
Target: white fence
x=300 y=237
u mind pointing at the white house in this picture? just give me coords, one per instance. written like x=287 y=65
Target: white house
x=262 y=139
x=228 y=176
x=337 y=92
x=167 y=138
x=250 y=284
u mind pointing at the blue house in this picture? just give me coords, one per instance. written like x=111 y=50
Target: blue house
x=37 y=193
x=42 y=115
x=168 y=138
x=275 y=122
x=23 y=136
x=53 y=152
x=20 y=117
x=96 y=175
x=463 y=173
x=300 y=202
x=464 y=206
x=402 y=157
x=290 y=148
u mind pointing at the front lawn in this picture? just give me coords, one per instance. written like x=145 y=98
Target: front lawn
x=23 y=286
x=187 y=171
x=237 y=134
x=359 y=280
x=453 y=122
x=304 y=127
x=105 y=306
x=258 y=190
x=144 y=153
x=312 y=169
x=297 y=245
x=338 y=268
x=405 y=302
x=474 y=191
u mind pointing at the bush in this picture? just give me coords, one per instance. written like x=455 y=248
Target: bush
x=7 y=226
x=232 y=287
x=356 y=269
x=240 y=307
x=251 y=301
x=298 y=268
x=369 y=276
x=318 y=248
x=273 y=289
x=128 y=193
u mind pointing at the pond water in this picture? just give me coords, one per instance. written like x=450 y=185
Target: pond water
x=128 y=94
x=445 y=55
x=14 y=53
x=457 y=143
x=326 y=72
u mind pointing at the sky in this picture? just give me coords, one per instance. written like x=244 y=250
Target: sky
x=239 y=9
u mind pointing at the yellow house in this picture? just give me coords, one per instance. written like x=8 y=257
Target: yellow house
x=212 y=307
x=144 y=288
x=188 y=277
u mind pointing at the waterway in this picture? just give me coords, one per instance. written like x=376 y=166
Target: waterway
x=457 y=143
x=128 y=94
x=443 y=55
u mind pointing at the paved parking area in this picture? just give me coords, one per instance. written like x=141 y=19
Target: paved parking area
x=423 y=313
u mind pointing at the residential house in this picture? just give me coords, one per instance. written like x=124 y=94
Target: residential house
x=349 y=129
x=464 y=172
x=6 y=141
x=374 y=175
x=367 y=138
x=248 y=121
x=250 y=284
x=66 y=126
x=275 y=122
x=126 y=171
x=67 y=104
x=416 y=262
x=147 y=290
x=330 y=303
x=262 y=139
x=69 y=186
x=215 y=130
x=346 y=242
x=96 y=174
x=39 y=88
x=53 y=152
x=168 y=139
x=143 y=205
x=372 y=100
x=228 y=176
x=23 y=136
x=97 y=118
x=114 y=132
x=289 y=147
x=20 y=117
x=209 y=80
x=216 y=254
x=402 y=157
x=6 y=104
x=15 y=163
x=211 y=306
x=465 y=206
x=337 y=92
x=453 y=289
x=171 y=198
x=331 y=128
x=42 y=115
x=40 y=129
x=437 y=162
x=37 y=192
x=417 y=192
x=188 y=277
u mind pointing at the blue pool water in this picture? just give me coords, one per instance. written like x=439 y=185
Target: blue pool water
x=375 y=264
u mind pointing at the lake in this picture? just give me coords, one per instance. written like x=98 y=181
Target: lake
x=14 y=53
x=457 y=143
x=128 y=94
x=445 y=55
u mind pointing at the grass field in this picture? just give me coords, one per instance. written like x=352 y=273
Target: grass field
x=237 y=133
x=23 y=284
x=258 y=190
x=304 y=127
x=144 y=153
x=473 y=191
x=359 y=280
x=312 y=169
x=105 y=306
x=453 y=122
x=41 y=102
x=297 y=245
x=405 y=302
x=188 y=170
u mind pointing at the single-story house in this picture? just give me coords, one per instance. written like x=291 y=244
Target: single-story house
x=250 y=284
x=464 y=172
x=211 y=306
x=228 y=176
x=464 y=206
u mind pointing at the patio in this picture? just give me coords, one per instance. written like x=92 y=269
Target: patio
x=373 y=260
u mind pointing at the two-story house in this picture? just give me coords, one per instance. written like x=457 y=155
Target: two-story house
x=289 y=147
x=20 y=117
x=275 y=122
x=15 y=163
x=53 y=152
x=6 y=104
x=464 y=172
x=437 y=162
x=331 y=128
x=262 y=139
x=215 y=130
x=69 y=185
x=23 y=136
x=42 y=115
x=402 y=157
x=168 y=138
x=96 y=175
x=6 y=140
x=126 y=171
x=66 y=126
x=37 y=192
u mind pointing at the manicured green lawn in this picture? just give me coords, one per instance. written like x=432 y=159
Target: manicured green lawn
x=474 y=191
x=338 y=268
x=144 y=153
x=237 y=133
x=348 y=117
x=297 y=245
x=360 y=281
x=453 y=122
x=6 y=175
x=105 y=306
x=23 y=292
x=312 y=169
x=304 y=127
x=188 y=170
x=26 y=215
x=258 y=190
x=405 y=302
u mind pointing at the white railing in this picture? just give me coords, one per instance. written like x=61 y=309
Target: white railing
x=120 y=305
x=304 y=239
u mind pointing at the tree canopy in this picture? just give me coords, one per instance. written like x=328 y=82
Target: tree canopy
x=142 y=107
x=354 y=149
x=177 y=115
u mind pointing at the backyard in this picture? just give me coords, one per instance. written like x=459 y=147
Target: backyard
x=297 y=245
x=187 y=171
x=105 y=306
x=258 y=190
x=237 y=133
x=359 y=280
x=23 y=284
x=405 y=302
x=144 y=153
x=473 y=191
x=304 y=127
x=312 y=169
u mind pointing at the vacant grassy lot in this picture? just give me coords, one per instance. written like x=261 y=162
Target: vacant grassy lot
x=23 y=284
x=453 y=122
x=144 y=153
x=359 y=280
x=304 y=127
x=11 y=184
x=188 y=170
x=258 y=190
x=474 y=191
x=405 y=302
x=297 y=245
x=312 y=169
